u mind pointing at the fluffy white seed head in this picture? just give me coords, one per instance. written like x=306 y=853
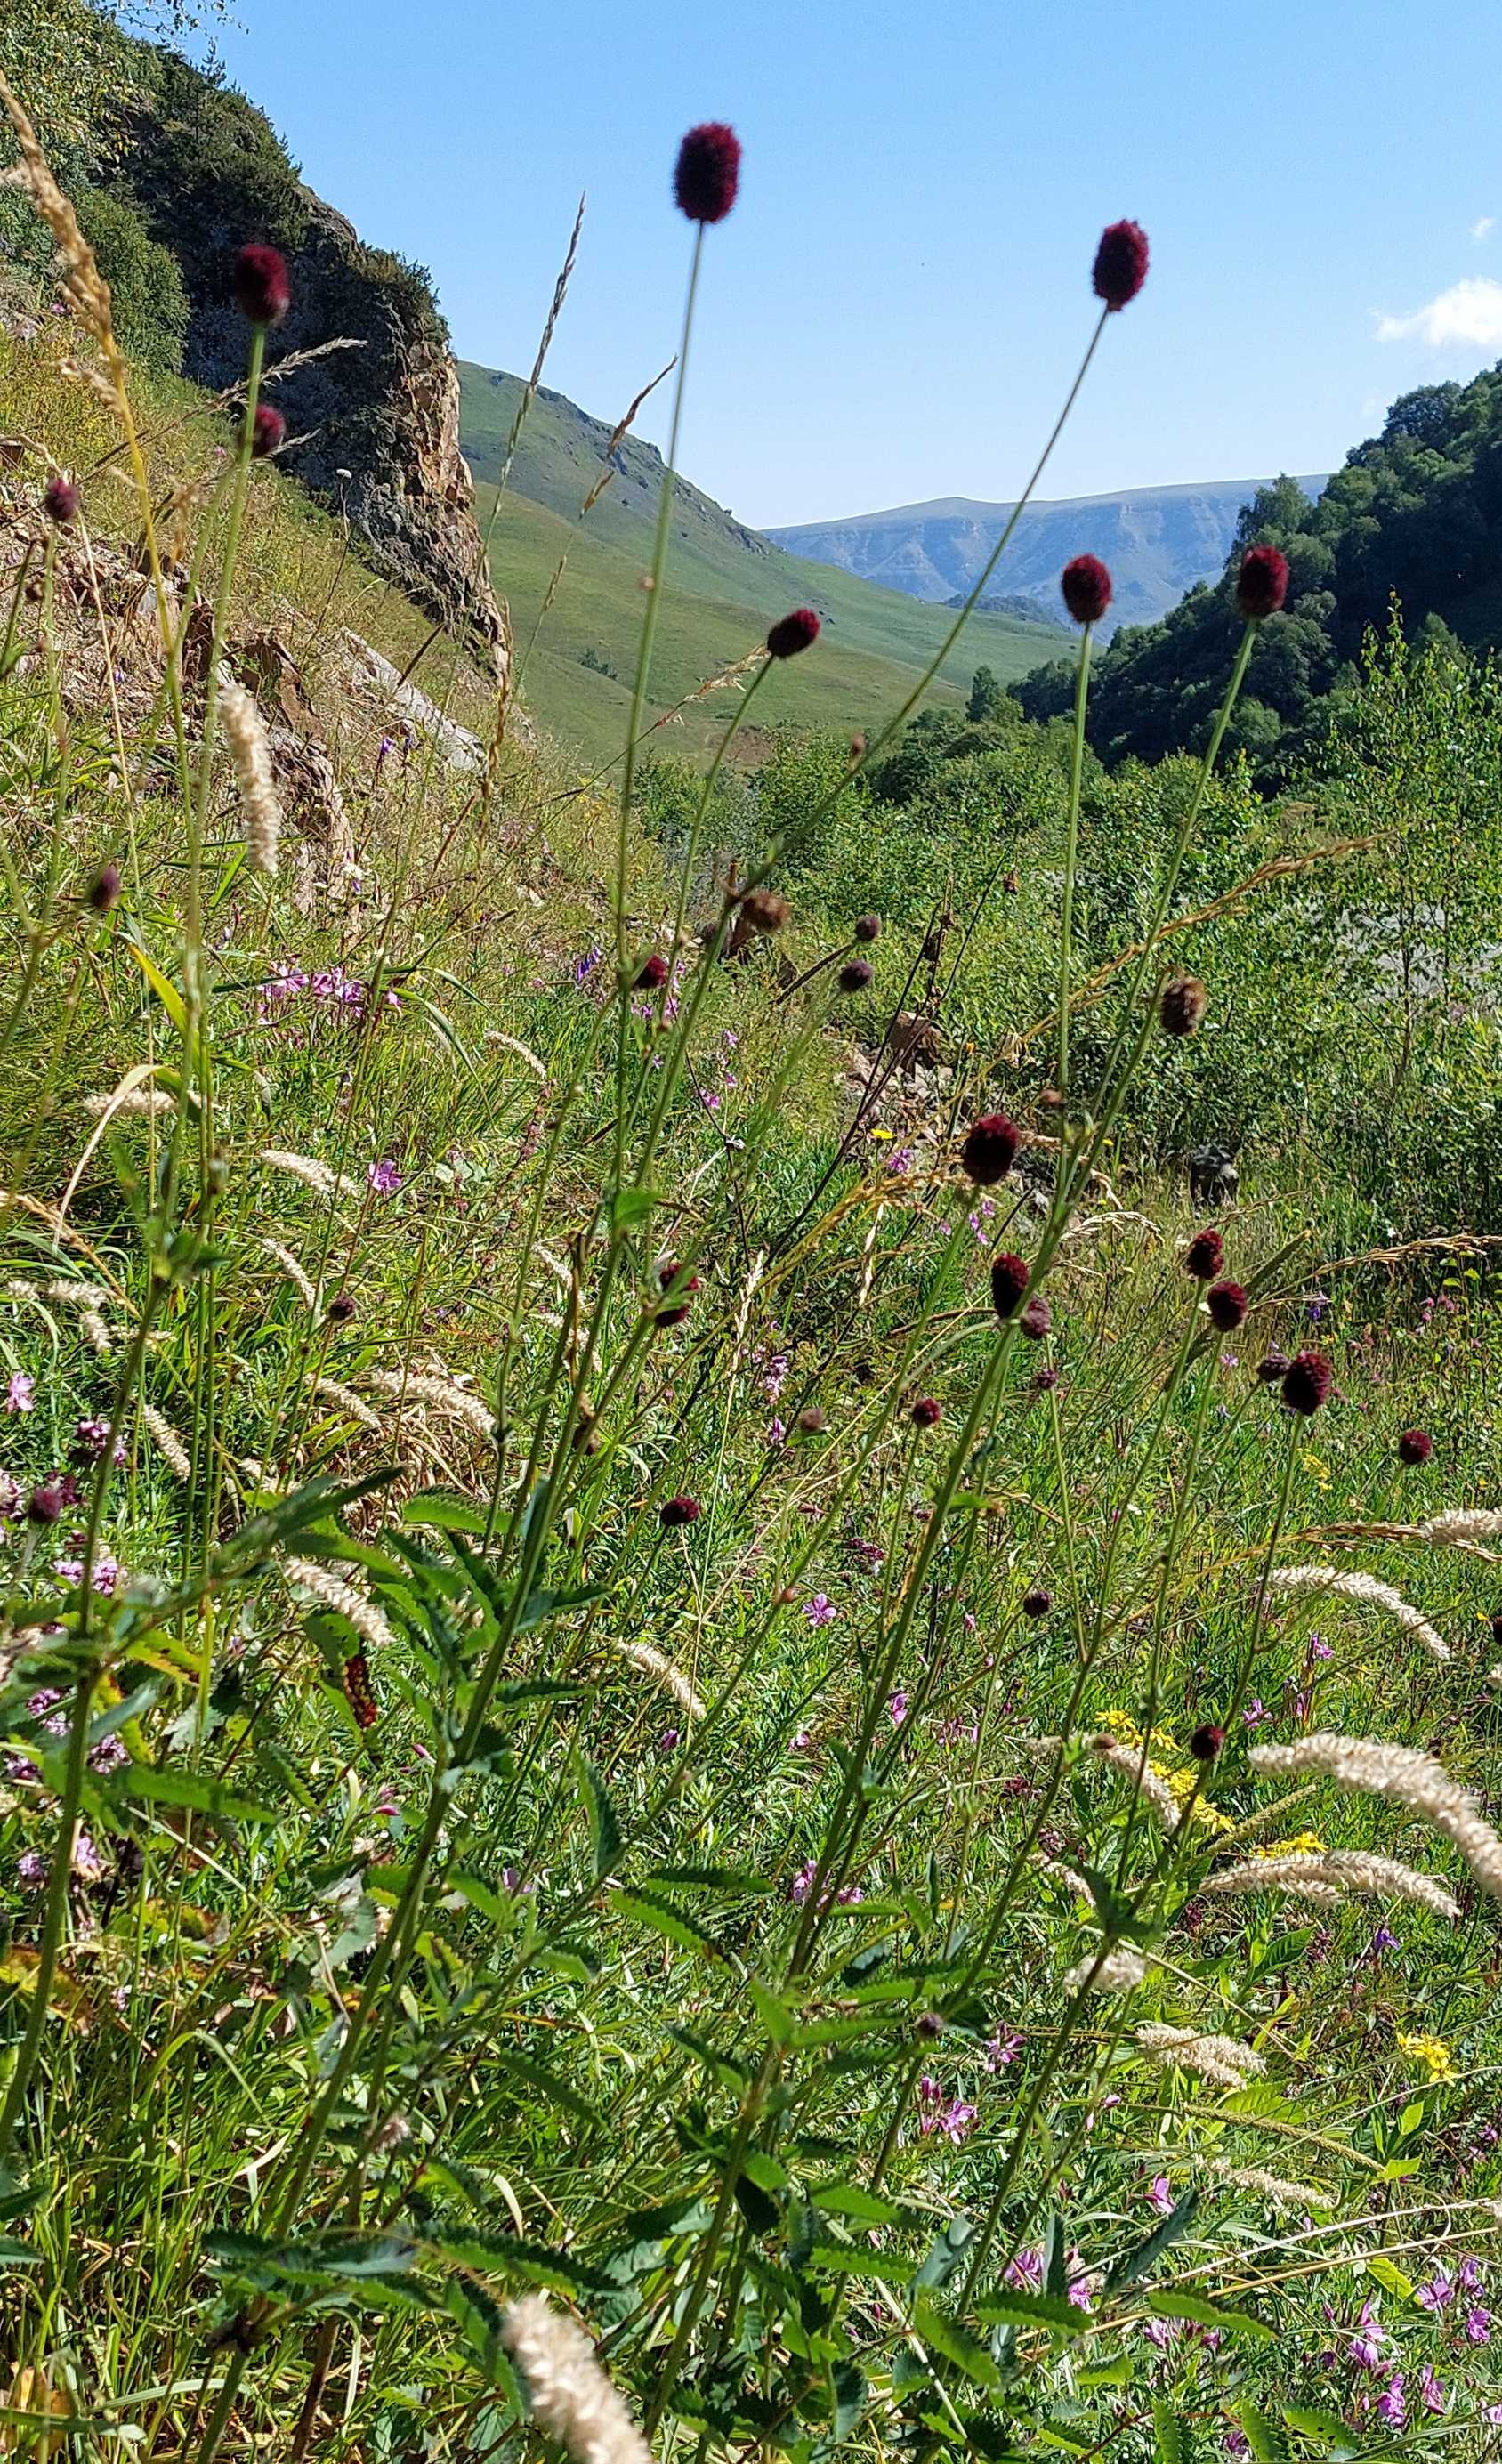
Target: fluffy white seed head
x=1120 y=1970
x=1221 y=2060
x=1400 y=1774
x=332 y=1592
x=249 y=756
x=1366 y=1592
x=571 y=2399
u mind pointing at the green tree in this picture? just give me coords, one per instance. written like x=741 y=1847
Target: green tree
x=985 y=695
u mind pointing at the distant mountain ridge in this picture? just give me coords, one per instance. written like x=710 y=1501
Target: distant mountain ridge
x=1159 y=543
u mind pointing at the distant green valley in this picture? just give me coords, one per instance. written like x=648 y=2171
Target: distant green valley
x=724 y=584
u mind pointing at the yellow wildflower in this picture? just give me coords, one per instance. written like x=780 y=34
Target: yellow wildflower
x=1306 y=1843
x=1431 y=2052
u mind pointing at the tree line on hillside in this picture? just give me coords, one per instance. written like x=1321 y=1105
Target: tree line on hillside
x=1414 y=515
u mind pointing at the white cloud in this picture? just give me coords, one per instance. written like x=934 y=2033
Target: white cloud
x=1468 y=316
x=1483 y=227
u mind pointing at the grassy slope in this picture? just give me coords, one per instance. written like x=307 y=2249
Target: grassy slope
x=725 y=581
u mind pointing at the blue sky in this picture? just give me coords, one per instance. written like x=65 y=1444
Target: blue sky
x=897 y=304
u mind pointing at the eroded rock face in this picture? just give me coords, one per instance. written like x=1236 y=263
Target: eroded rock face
x=374 y=428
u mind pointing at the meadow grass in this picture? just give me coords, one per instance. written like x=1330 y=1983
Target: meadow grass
x=613 y=1695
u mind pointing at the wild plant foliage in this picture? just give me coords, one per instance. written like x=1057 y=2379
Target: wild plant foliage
x=690 y=1767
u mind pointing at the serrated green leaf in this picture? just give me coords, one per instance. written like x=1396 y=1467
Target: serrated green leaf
x=650 y=1908
x=1170 y=2433
x=954 y=2343
x=498 y=2254
x=1264 y=2435
x=1205 y=2314
x=1014 y=2307
x=605 y=1828
x=847 y=2199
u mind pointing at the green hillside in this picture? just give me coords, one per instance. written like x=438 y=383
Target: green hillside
x=724 y=584
x=1413 y=517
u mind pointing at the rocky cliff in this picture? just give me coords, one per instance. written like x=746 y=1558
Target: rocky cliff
x=376 y=427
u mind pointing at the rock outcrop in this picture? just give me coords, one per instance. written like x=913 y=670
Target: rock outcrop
x=374 y=427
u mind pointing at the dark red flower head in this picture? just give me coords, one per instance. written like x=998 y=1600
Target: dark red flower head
x=856 y=975
x=678 y=1310
x=1085 y=585
x=1272 y=1367
x=45 y=1504
x=793 y=633
x=708 y=172
x=1205 y=1256
x=341 y=1309
x=1037 y=1317
x=60 y=500
x=676 y=1511
x=1306 y=1381
x=268 y=430
x=1009 y=1283
x=1227 y=1304
x=104 y=888
x=1183 y=1005
x=1120 y=263
x=1262 y=583
x=263 y=284
x=1207 y=1742
x=867 y=928
x=927 y=1411
x=990 y=1149
x=652 y=975
x=765 y=911
x=1414 y=1446
x=1038 y=1603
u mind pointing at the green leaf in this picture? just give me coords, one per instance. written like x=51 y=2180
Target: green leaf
x=1170 y=2435
x=544 y=2083
x=954 y=2343
x=851 y=2396
x=312 y=1502
x=1205 y=2314
x=841 y=2259
x=500 y=2253
x=605 y=1828
x=441 y=1510
x=161 y=1786
x=478 y=2318
x=775 y=2016
x=649 y=1909
x=17 y=2254
x=1391 y=2279
x=847 y=2199
x=1264 y=2435
x=1013 y=2307
x=1138 y=2262
x=728 y=1879
x=540 y=1606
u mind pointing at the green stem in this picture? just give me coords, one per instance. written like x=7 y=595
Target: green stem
x=1070 y=855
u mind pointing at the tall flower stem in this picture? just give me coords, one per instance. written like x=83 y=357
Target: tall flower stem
x=1071 y=857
